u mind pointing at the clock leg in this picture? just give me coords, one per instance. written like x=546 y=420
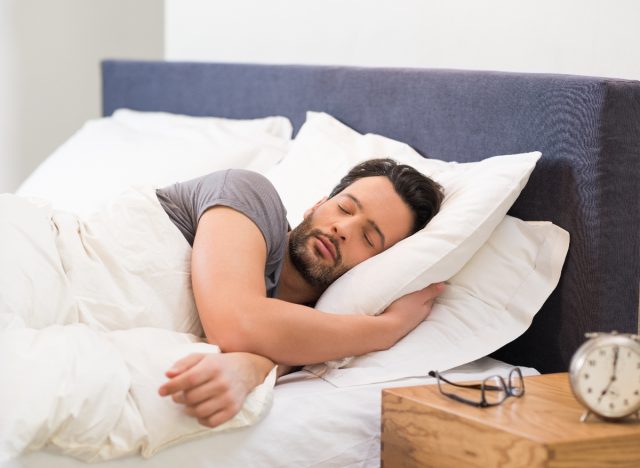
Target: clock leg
x=586 y=415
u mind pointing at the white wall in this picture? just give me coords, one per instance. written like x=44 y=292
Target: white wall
x=50 y=50
x=8 y=92
x=49 y=69
x=590 y=37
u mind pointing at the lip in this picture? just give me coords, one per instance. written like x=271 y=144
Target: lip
x=326 y=247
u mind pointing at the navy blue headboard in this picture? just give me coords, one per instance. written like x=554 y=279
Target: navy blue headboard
x=588 y=130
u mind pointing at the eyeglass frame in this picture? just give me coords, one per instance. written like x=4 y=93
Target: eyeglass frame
x=509 y=390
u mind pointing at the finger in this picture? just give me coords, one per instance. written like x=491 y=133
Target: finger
x=433 y=290
x=429 y=306
x=226 y=403
x=208 y=390
x=184 y=364
x=193 y=377
x=207 y=408
x=217 y=418
x=178 y=397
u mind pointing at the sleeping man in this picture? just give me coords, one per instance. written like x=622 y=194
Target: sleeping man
x=255 y=281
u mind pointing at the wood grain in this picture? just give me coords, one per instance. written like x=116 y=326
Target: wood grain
x=421 y=427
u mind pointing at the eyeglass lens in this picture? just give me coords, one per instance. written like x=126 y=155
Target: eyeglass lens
x=516 y=383
x=495 y=390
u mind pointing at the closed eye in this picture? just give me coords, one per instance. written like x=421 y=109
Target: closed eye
x=373 y=225
x=366 y=237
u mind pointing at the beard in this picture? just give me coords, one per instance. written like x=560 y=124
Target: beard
x=308 y=262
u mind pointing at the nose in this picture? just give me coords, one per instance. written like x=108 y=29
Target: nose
x=341 y=230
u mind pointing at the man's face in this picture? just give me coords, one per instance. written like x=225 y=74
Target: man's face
x=364 y=219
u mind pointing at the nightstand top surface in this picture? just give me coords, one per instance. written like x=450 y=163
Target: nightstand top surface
x=547 y=413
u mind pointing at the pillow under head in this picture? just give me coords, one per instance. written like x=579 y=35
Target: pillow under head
x=477 y=198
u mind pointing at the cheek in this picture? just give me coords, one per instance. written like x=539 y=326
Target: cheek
x=356 y=253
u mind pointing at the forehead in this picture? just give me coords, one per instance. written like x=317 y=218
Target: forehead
x=382 y=205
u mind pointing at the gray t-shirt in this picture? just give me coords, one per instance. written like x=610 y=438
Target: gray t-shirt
x=247 y=192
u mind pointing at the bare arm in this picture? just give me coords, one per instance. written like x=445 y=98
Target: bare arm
x=229 y=254
x=228 y=282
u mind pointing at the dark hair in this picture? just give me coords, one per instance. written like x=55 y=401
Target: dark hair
x=422 y=194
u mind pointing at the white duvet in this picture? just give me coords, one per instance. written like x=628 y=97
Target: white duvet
x=92 y=313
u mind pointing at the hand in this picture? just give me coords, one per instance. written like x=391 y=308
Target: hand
x=613 y=375
x=406 y=313
x=213 y=387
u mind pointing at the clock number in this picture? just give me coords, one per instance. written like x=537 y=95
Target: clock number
x=602 y=352
x=592 y=362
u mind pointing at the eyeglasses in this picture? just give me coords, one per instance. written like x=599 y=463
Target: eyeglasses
x=493 y=390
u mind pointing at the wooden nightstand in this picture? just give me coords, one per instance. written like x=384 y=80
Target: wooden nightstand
x=421 y=427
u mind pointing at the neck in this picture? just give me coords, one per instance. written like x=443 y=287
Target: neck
x=292 y=287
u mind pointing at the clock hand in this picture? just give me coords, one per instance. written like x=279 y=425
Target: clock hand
x=613 y=376
x=604 y=392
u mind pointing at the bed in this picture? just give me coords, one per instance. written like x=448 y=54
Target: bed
x=588 y=130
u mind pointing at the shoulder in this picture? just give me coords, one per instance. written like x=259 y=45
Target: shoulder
x=249 y=188
x=254 y=181
x=236 y=188
x=250 y=193
x=235 y=182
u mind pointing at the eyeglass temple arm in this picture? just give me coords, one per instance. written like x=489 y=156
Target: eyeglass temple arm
x=459 y=399
x=477 y=386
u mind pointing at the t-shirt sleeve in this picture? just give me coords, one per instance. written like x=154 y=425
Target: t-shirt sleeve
x=253 y=195
x=248 y=192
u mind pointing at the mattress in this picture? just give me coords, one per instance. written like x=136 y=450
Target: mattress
x=311 y=424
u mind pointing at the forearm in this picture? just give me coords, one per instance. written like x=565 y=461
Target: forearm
x=293 y=334
x=228 y=266
x=229 y=252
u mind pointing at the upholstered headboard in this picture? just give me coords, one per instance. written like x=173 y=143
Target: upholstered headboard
x=588 y=130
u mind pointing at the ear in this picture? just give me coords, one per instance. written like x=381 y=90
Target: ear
x=315 y=207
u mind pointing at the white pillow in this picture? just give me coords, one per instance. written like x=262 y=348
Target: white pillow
x=477 y=197
x=108 y=155
x=489 y=303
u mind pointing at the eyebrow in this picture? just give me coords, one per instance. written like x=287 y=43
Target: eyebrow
x=371 y=222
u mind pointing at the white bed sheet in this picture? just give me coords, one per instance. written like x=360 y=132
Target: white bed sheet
x=311 y=424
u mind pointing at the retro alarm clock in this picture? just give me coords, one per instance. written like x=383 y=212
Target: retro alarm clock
x=605 y=375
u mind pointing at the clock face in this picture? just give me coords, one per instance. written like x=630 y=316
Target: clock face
x=608 y=381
